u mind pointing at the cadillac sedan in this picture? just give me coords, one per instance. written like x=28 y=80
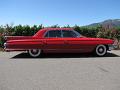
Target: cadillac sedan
x=58 y=40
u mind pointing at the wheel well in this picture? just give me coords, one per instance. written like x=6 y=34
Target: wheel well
x=40 y=49
x=105 y=45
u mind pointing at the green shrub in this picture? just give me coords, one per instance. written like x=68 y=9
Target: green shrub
x=1 y=41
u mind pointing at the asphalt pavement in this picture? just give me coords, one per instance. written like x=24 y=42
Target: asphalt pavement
x=18 y=71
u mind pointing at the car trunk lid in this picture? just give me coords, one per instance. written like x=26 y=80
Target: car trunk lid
x=17 y=37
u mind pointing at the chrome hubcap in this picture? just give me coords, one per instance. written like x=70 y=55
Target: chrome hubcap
x=100 y=50
x=34 y=50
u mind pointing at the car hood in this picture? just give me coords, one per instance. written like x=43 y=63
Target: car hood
x=89 y=38
x=110 y=41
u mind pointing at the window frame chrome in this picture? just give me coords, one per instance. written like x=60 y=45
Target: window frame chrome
x=78 y=34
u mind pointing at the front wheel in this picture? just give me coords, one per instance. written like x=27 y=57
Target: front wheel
x=100 y=50
x=34 y=52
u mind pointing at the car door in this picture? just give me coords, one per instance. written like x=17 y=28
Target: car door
x=53 y=41
x=75 y=43
x=72 y=41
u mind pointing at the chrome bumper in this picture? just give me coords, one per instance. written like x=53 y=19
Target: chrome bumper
x=112 y=47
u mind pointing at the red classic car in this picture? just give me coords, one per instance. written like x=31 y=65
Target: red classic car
x=58 y=40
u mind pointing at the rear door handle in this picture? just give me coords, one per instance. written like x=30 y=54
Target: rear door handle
x=44 y=42
x=66 y=42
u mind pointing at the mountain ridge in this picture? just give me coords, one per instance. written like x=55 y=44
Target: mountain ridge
x=109 y=22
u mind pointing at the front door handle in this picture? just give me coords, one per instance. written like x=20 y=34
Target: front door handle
x=44 y=42
x=66 y=42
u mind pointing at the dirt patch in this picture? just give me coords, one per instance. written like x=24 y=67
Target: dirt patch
x=1 y=49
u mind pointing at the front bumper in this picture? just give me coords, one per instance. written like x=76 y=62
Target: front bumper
x=112 y=47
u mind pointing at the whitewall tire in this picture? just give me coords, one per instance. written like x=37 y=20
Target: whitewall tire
x=101 y=50
x=34 y=52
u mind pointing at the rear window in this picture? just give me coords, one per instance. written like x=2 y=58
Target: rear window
x=53 y=33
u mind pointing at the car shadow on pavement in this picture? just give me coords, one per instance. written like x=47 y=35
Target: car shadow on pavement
x=65 y=55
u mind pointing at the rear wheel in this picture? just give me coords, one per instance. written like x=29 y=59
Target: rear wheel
x=100 y=50
x=34 y=52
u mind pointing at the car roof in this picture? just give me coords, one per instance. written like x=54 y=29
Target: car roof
x=41 y=31
x=57 y=29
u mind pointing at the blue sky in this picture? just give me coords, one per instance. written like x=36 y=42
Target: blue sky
x=61 y=12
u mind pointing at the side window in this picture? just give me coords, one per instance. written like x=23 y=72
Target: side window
x=69 y=33
x=53 y=33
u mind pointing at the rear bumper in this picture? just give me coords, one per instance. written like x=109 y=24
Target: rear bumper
x=5 y=46
x=112 y=47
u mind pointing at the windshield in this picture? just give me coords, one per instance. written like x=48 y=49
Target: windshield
x=78 y=34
